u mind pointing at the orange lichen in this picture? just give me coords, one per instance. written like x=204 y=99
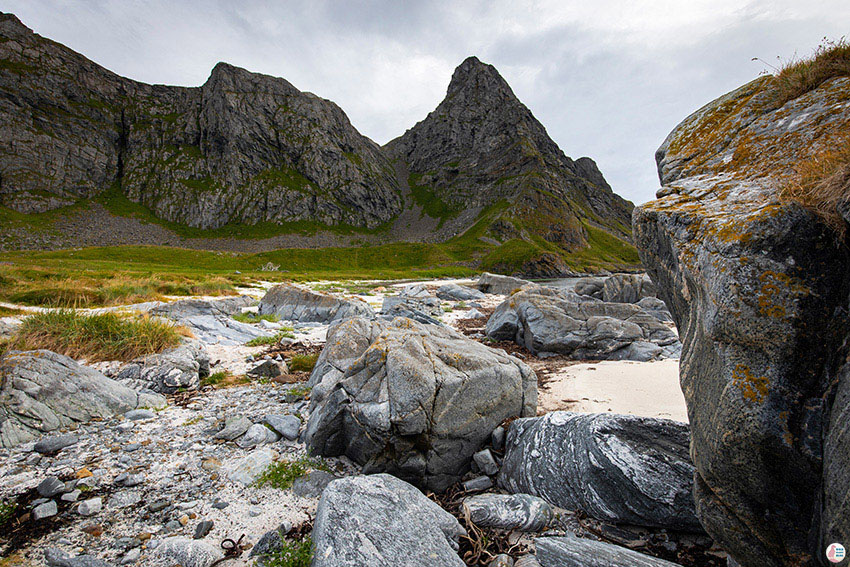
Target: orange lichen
x=753 y=388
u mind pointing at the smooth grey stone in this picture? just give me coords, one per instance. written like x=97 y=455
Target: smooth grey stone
x=158 y=505
x=57 y=558
x=258 y=434
x=90 y=506
x=478 y=483
x=202 y=529
x=269 y=369
x=211 y=321
x=312 y=484
x=124 y=499
x=187 y=552
x=50 y=487
x=497 y=438
x=131 y=556
x=234 y=427
x=485 y=461
x=249 y=468
x=72 y=496
x=45 y=510
x=288 y=426
x=498 y=284
x=508 y=511
x=292 y=303
x=401 y=524
x=571 y=551
x=220 y=504
x=458 y=293
x=55 y=443
x=140 y=414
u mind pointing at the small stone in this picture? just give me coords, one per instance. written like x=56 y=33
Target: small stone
x=202 y=529
x=220 y=504
x=269 y=369
x=90 y=507
x=478 y=483
x=485 y=461
x=211 y=464
x=312 y=484
x=45 y=510
x=132 y=447
x=72 y=496
x=50 y=487
x=52 y=445
x=186 y=552
x=124 y=500
x=158 y=505
x=255 y=511
x=289 y=426
x=131 y=556
x=139 y=414
x=497 y=438
x=134 y=479
x=94 y=530
x=256 y=435
x=233 y=428
x=527 y=561
x=184 y=520
x=83 y=473
x=144 y=536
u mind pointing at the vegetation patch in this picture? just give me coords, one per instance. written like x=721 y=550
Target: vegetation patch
x=432 y=205
x=256 y=317
x=292 y=554
x=797 y=77
x=262 y=341
x=105 y=336
x=302 y=362
x=282 y=474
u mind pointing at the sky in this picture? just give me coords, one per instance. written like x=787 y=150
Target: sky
x=608 y=79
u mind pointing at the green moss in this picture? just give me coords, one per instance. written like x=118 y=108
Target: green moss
x=292 y=554
x=432 y=205
x=262 y=341
x=204 y=184
x=15 y=67
x=281 y=475
x=289 y=178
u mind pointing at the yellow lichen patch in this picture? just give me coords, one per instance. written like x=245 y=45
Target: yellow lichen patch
x=753 y=388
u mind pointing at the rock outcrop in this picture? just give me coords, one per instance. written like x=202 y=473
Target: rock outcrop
x=758 y=287
x=571 y=551
x=620 y=468
x=413 y=400
x=42 y=391
x=211 y=321
x=292 y=303
x=549 y=320
x=414 y=302
x=499 y=284
x=242 y=148
x=179 y=368
x=379 y=520
x=627 y=288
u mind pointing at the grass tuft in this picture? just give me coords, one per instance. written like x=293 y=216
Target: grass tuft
x=799 y=76
x=292 y=554
x=256 y=317
x=261 y=341
x=281 y=475
x=302 y=362
x=105 y=336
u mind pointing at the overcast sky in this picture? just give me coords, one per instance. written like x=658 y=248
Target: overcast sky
x=608 y=79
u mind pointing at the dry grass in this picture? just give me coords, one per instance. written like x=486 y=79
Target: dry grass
x=822 y=184
x=104 y=336
x=799 y=76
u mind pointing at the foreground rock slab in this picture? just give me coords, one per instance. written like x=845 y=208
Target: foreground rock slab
x=43 y=391
x=548 y=320
x=178 y=368
x=379 y=520
x=572 y=551
x=618 y=468
x=411 y=399
x=758 y=287
x=211 y=321
x=296 y=304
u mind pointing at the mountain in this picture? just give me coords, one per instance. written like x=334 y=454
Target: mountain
x=242 y=148
x=482 y=146
x=249 y=149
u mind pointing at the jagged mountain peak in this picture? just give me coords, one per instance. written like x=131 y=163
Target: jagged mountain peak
x=478 y=78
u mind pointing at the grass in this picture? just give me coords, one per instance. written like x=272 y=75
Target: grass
x=299 y=391
x=256 y=317
x=282 y=474
x=292 y=554
x=302 y=362
x=10 y=311
x=262 y=341
x=822 y=184
x=106 y=336
x=799 y=76
x=432 y=205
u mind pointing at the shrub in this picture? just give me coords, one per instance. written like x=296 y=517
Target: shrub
x=799 y=76
x=292 y=554
x=303 y=362
x=104 y=336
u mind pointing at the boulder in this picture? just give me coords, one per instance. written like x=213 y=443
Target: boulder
x=617 y=468
x=591 y=287
x=250 y=467
x=421 y=309
x=211 y=321
x=627 y=288
x=379 y=520
x=186 y=552
x=508 y=511
x=55 y=557
x=411 y=399
x=656 y=308
x=454 y=292
x=296 y=304
x=549 y=320
x=43 y=392
x=571 y=551
x=498 y=284
x=269 y=368
x=759 y=288
x=179 y=368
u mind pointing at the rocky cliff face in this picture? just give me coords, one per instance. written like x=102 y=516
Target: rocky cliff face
x=244 y=147
x=759 y=289
x=481 y=145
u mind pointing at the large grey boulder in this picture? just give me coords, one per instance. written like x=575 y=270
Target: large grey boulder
x=411 y=399
x=627 y=288
x=498 y=284
x=211 y=321
x=571 y=551
x=618 y=468
x=179 y=368
x=759 y=288
x=421 y=309
x=455 y=292
x=549 y=320
x=296 y=304
x=379 y=520
x=43 y=391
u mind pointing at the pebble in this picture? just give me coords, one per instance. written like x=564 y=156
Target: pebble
x=56 y=443
x=50 y=487
x=501 y=560
x=255 y=511
x=220 y=504
x=45 y=510
x=139 y=414
x=478 y=483
x=202 y=529
x=485 y=461
x=289 y=426
x=158 y=505
x=233 y=428
x=72 y=496
x=131 y=556
x=124 y=500
x=90 y=507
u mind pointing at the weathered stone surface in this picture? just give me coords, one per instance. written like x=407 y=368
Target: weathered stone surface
x=186 y=552
x=758 y=287
x=619 y=468
x=269 y=368
x=590 y=286
x=249 y=468
x=500 y=285
x=627 y=288
x=57 y=558
x=422 y=309
x=296 y=304
x=413 y=400
x=43 y=391
x=242 y=148
x=287 y=425
x=166 y=372
x=379 y=520
x=55 y=443
x=454 y=292
x=211 y=321
x=550 y=320
x=656 y=308
x=508 y=511
x=571 y=551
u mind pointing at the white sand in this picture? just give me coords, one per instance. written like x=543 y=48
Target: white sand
x=649 y=389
